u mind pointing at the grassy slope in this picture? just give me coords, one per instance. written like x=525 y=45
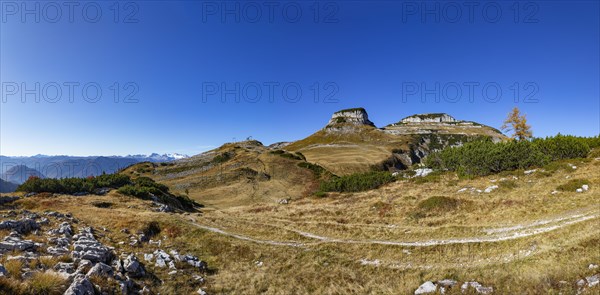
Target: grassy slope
x=349 y=152
x=346 y=153
x=228 y=183
x=530 y=265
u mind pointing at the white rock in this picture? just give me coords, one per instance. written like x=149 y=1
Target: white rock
x=375 y=262
x=593 y=266
x=422 y=172
x=585 y=187
x=579 y=190
x=489 y=189
x=527 y=172
x=201 y=292
x=554 y=192
x=462 y=190
x=148 y=257
x=133 y=267
x=395 y=174
x=593 y=280
x=80 y=285
x=477 y=286
x=426 y=288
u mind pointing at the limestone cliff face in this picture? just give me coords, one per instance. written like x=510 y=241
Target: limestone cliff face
x=351 y=142
x=429 y=118
x=356 y=116
x=434 y=132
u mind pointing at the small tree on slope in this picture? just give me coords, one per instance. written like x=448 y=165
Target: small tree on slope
x=517 y=123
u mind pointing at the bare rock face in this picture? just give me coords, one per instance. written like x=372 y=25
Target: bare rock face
x=429 y=118
x=22 y=226
x=87 y=247
x=133 y=267
x=81 y=286
x=357 y=116
x=14 y=242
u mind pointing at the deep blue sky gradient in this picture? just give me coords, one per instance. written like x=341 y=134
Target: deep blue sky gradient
x=369 y=52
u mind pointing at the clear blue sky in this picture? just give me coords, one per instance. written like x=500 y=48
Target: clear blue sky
x=365 y=53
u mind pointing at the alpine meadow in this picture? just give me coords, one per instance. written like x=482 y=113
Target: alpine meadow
x=299 y=147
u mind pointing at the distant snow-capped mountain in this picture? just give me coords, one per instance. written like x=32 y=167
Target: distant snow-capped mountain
x=154 y=157
x=18 y=169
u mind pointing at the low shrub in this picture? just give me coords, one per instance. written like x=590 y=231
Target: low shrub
x=282 y=153
x=222 y=158
x=73 y=185
x=102 y=204
x=320 y=194
x=146 y=188
x=357 y=182
x=572 y=185
x=151 y=229
x=484 y=157
x=563 y=147
x=556 y=166
x=318 y=171
x=595 y=153
x=299 y=154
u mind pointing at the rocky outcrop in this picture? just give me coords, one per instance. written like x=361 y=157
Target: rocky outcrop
x=23 y=226
x=63 y=229
x=443 y=286
x=87 y=247
x=426 y=288
x=81 y=286
x=100 y=269
x=133 y=267
x=429 y=118
x=356 y=117
x=14 y=242
x=93 y=262
x=477 y=286
x=163 y=259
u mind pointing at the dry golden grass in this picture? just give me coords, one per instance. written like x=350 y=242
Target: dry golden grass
x=533 y=264
x=13 y=267
x=349 y=152
x=46 y=283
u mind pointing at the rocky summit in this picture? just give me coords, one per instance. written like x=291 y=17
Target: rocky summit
x=356 y=116
x=429 y=118
x=350 y=142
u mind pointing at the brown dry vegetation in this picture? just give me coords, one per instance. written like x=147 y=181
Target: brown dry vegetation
x=359 y=223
